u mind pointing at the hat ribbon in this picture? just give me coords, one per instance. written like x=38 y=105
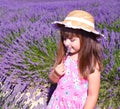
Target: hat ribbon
x=80 y=20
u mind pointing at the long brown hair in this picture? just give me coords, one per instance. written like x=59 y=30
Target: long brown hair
x=90 y=53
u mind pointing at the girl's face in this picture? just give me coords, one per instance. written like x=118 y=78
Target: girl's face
x=72 y=44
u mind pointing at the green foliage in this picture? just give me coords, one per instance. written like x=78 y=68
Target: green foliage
x=115 y=26
x=110 y=84
x=117 y=58
x=12 y=36
x=41 y=56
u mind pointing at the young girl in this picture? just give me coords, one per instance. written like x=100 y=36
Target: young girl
x=78 y=63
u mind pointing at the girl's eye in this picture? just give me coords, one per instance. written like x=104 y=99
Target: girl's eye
x=72 y=40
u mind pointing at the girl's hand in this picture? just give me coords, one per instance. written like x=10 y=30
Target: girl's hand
x=59 y=69
x=57 y=72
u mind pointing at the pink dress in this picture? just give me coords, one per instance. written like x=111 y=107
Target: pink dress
x=71 y=91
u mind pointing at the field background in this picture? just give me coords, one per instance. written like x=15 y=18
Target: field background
x=28 y=44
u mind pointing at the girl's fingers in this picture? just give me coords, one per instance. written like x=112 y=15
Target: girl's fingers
x=60 y=69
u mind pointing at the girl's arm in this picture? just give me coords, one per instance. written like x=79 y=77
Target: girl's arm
x=54 y=77
x=93 y=90
x=56 y=73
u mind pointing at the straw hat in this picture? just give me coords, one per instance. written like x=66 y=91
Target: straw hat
x=79 y=19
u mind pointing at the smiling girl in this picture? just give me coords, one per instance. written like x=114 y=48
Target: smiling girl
x=78 y=63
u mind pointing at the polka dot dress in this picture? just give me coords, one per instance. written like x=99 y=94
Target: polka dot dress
x=71 y=91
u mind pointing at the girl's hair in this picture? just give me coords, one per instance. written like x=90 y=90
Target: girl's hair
x=90 y=54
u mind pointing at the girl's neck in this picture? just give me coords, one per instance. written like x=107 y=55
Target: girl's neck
x=74 y=56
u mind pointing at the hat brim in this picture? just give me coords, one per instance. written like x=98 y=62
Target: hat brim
x=58 y=24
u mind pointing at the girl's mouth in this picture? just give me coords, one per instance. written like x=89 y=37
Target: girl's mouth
x=68 y=50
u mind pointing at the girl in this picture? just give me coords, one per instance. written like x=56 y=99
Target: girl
x=78 y=63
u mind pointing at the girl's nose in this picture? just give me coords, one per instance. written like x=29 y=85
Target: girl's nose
x=67 y=42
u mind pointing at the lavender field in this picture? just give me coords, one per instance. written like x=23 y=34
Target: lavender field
x=28 y=49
